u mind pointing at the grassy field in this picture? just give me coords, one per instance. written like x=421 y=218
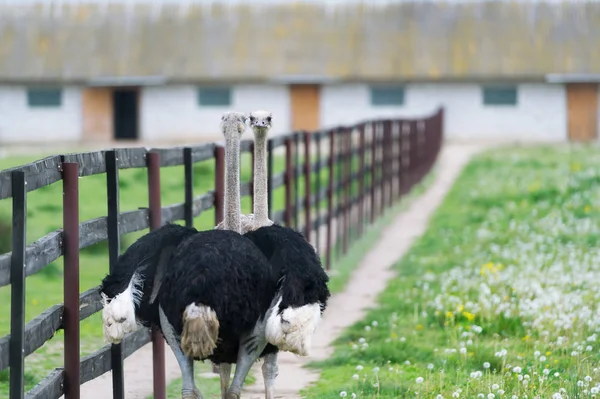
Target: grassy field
x=498 y=299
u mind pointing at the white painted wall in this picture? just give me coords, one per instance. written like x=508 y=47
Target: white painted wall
x=173 y=111
x=20 y=123
x=540 y=113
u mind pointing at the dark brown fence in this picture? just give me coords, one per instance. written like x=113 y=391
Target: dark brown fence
x=350 y=175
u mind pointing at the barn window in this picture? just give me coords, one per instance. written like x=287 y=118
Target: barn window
x=500 y=95
x=44 y=97
x=214 y=96
x=386 y=95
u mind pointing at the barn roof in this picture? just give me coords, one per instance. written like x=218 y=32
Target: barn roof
x=294 y=41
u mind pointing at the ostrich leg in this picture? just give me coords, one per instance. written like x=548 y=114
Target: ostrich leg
x=270 y=370
x=251 y=347
x=225 y=374
x=186 y=364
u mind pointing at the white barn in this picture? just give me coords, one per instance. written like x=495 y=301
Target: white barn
x=165 y=71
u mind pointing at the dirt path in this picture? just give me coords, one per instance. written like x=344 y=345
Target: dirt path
x=344 y=309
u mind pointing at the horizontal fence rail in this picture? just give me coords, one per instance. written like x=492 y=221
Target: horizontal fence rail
x=335 y=182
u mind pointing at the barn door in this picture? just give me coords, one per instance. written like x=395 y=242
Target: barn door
x=305 y=107
x=582 y=108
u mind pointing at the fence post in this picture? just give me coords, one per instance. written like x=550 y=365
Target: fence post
x=382 y=168
x=17 y=286
x=318 y=191
x=251 y=182
x=297 y=174
x=307 y=188
x=289 y=174
x=219 y=194
x=70 y=172
x=188 y=205
x=361 y=180
x=270 y=177
x=373 y=169
x=346 y=160
x=330 y=198
x=154 y=211
x=114 y=249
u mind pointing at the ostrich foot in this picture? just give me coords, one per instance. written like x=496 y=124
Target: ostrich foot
x=232 y=395
x=191 y=394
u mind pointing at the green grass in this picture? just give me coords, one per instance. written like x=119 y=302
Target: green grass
x=498 y=299
x=44 y=215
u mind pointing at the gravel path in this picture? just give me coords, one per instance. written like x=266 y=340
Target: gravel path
x=344 y=309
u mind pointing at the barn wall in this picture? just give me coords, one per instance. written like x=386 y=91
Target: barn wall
x=21 y=123
x=173 y=112
x=540 y=112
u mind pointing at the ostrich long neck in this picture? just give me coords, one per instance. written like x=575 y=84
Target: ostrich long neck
x=232 y=180
x=261 y=202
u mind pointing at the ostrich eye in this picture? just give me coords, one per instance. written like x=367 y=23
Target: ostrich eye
x=251 y=119
x=269 y=119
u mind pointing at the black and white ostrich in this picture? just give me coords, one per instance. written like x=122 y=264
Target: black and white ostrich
x=302 y=291
x=217 y=284
x=220 y=298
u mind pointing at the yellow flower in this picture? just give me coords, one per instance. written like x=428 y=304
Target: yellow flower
x=548 y=353
x=419 y=327
x=449 y=315
x=460 y=308
x=587 y=209
x=525 y=338
x=34 y=302
x=394 y=335
x=575 y=167
x=469 y=316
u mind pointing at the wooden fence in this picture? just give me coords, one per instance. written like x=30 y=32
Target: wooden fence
x=368 y=166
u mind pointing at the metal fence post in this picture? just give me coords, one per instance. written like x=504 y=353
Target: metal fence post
x=373 y=169
x=188 y=205
x=330 y=199
x=361 y=180
x=318 y=191
x=270 y=177
x=158 y=345
x=70 y=172
x=289 y=174
x=307 y=188
x=17 y=286
x=114 y=249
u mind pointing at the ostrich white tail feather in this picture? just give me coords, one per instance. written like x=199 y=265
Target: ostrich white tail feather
x=292 y=330
x=118 y=314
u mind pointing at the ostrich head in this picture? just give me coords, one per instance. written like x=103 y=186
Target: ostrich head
x=233 y=122
x=260 y=122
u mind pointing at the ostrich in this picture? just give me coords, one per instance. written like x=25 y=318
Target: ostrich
x=216 y=286
x=302 y=291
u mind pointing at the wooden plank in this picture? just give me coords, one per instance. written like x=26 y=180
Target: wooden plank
x=37 y=332
x=50 y=387
x=89 y=303
x=128 y=158
x=98 y=363
x=172 y=213
x=38 y=174
x=134 y=221
x=245 y=189
x=92 y=232
x=203 y=152
x=246 y=145
x=170 y=156
x=582 y=108
x=277 y=180
x=90 y=163
x=203 y=203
